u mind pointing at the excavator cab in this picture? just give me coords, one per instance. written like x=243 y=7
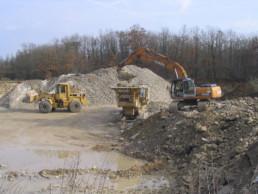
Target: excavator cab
x=183 y=88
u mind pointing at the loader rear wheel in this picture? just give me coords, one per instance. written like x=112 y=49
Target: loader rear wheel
x=75 y=106
x=45 y=107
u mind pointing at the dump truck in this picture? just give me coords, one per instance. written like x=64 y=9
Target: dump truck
x=132 y=99
x=183 y=90
x=63 y=98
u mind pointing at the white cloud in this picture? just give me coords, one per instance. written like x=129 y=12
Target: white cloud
x=248 y=24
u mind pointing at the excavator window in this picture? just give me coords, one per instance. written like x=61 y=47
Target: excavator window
x=188 y=85
x=178 y=88
x=179 y=85
x=189 y=88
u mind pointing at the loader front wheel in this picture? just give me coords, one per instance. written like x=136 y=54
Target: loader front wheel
x=45 y=107
x=75 y=106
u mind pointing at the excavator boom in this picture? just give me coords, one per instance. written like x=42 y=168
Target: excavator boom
x=151 y=55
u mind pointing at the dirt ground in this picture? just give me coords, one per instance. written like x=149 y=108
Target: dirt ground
x=39 y=151
x=27 y=127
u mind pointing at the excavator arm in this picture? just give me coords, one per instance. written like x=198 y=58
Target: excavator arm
x=145 y=54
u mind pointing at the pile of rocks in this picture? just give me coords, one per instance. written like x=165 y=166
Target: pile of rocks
x=206 y=151
x=5 y=87
x=97 y=86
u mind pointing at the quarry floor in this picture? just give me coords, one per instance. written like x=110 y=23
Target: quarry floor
x=31 y=142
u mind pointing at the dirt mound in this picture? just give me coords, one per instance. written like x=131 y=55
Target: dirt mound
x=96 y=85
x=16 y=95
x=213 y=151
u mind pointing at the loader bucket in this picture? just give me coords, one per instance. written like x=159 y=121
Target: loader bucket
x=32 y=94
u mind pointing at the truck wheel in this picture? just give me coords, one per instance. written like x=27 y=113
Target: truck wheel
x=75 y=106
x=45 y=107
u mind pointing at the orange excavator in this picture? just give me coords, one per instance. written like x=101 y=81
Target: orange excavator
x=183 y=90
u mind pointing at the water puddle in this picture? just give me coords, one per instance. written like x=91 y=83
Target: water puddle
x=38 y=159
x=26 y=163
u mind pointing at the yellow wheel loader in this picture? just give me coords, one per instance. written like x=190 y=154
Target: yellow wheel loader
x=63 y=98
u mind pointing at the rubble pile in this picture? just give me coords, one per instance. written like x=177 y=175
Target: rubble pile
x=96 y=85
x=213 y=151
x=5 y=87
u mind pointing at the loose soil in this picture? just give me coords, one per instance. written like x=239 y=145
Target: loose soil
x=205 y=152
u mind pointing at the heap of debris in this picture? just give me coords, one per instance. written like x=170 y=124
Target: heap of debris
x=6 y=87
x=214 y=151
x=96 y=85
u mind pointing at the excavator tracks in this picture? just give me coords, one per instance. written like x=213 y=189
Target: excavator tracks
x=202 y=105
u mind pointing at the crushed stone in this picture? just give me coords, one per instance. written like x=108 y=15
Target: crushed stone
x=96 y=85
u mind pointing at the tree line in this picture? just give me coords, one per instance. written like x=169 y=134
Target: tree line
x=204 y=53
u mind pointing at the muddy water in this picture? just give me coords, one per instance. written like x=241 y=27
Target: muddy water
x=37 y=159
x=28 y=162
x=31 y=141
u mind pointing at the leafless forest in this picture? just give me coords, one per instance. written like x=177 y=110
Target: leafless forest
x=205 y=53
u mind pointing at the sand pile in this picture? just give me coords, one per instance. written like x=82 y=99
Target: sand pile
x=96 y=85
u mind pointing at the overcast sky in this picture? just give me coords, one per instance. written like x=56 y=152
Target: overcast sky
x=40 y=21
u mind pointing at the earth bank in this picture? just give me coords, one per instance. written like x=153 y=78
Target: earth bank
x=213 y=151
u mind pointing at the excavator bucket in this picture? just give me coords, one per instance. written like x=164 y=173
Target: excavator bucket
x=32 y=94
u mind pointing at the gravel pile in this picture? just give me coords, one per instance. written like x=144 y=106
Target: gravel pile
x=96 y=85
x=5 y=87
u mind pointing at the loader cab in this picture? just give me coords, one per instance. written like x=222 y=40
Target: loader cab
x=62 y=91
x=183 y=88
